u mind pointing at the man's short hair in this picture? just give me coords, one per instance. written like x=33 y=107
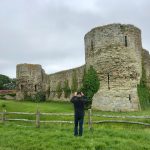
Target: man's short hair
x=78 y=93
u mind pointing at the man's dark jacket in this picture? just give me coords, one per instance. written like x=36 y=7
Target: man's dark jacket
x=79 y=103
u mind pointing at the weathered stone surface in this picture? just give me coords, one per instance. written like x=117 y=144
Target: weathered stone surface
x=63 y=76
x=116 y=53
x=31 y=79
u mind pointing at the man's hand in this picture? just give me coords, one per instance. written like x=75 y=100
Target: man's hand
x=82 y=94
x=75 y=94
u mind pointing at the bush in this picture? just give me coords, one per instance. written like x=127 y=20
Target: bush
x=12 y=94
x=143 y=91
x=40 y=97
x=144 y=96
x=67 y=90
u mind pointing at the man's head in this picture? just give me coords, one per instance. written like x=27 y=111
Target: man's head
x=78 y=93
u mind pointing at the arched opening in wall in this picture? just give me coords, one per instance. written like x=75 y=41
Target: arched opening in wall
x=35 y=88
x=126 y=41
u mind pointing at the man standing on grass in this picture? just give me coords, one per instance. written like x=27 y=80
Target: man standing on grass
x=79 y=101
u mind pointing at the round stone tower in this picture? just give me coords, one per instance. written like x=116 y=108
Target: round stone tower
x=31 y=79
x=115 y=52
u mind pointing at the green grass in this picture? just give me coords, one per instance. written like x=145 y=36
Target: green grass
x=27 y=106
x=60 y=137
x=108 y=136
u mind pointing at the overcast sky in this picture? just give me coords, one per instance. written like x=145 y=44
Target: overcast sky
x=51 y=32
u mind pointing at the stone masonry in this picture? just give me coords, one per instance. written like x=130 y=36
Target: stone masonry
x=116 y=52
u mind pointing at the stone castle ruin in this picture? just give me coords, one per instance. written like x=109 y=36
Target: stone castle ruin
x=116 y=52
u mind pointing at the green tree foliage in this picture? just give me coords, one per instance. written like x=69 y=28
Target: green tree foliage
x=143 y=78
x=91 y=83
x=143 y=91
x=11 y=85
x=74 y=86
x=7 y=83
x=4 y=80
x=67 y=90
x=59 y=90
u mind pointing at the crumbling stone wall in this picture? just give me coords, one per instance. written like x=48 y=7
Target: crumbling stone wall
x=30 y=80
x=63 y=76
x=115 y=52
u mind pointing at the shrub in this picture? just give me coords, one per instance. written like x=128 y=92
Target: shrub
x=59 y=90
x=91 y=84
x=66 y=88
x=12 y=94
x=40 y=97
x=144 y=96
x=143 y=90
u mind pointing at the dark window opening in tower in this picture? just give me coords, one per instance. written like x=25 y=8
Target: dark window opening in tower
x=92 y=47
x=42 y=75
x=126 y=42
x=130 y=98
x=35 y=88
x=22 y=87
x=108 y=75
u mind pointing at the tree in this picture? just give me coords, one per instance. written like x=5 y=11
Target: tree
x=67 y=90
x=11 y=85
x=39 y=97
x=59 y=90
x=91 y=83
x=74 y=86
x=4 y=80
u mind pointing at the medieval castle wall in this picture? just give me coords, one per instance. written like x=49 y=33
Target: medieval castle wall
x=116 y=53
x=62 y=77
x=30 y=80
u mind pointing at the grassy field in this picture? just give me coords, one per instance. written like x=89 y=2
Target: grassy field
x=27 y=106
x=24 y=136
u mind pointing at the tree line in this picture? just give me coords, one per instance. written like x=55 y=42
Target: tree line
x=7 y=83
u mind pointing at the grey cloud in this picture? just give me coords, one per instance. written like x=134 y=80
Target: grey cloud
x=51 y=32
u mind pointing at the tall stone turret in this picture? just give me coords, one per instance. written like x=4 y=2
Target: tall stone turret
x=115 y=52
x=31 y=79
